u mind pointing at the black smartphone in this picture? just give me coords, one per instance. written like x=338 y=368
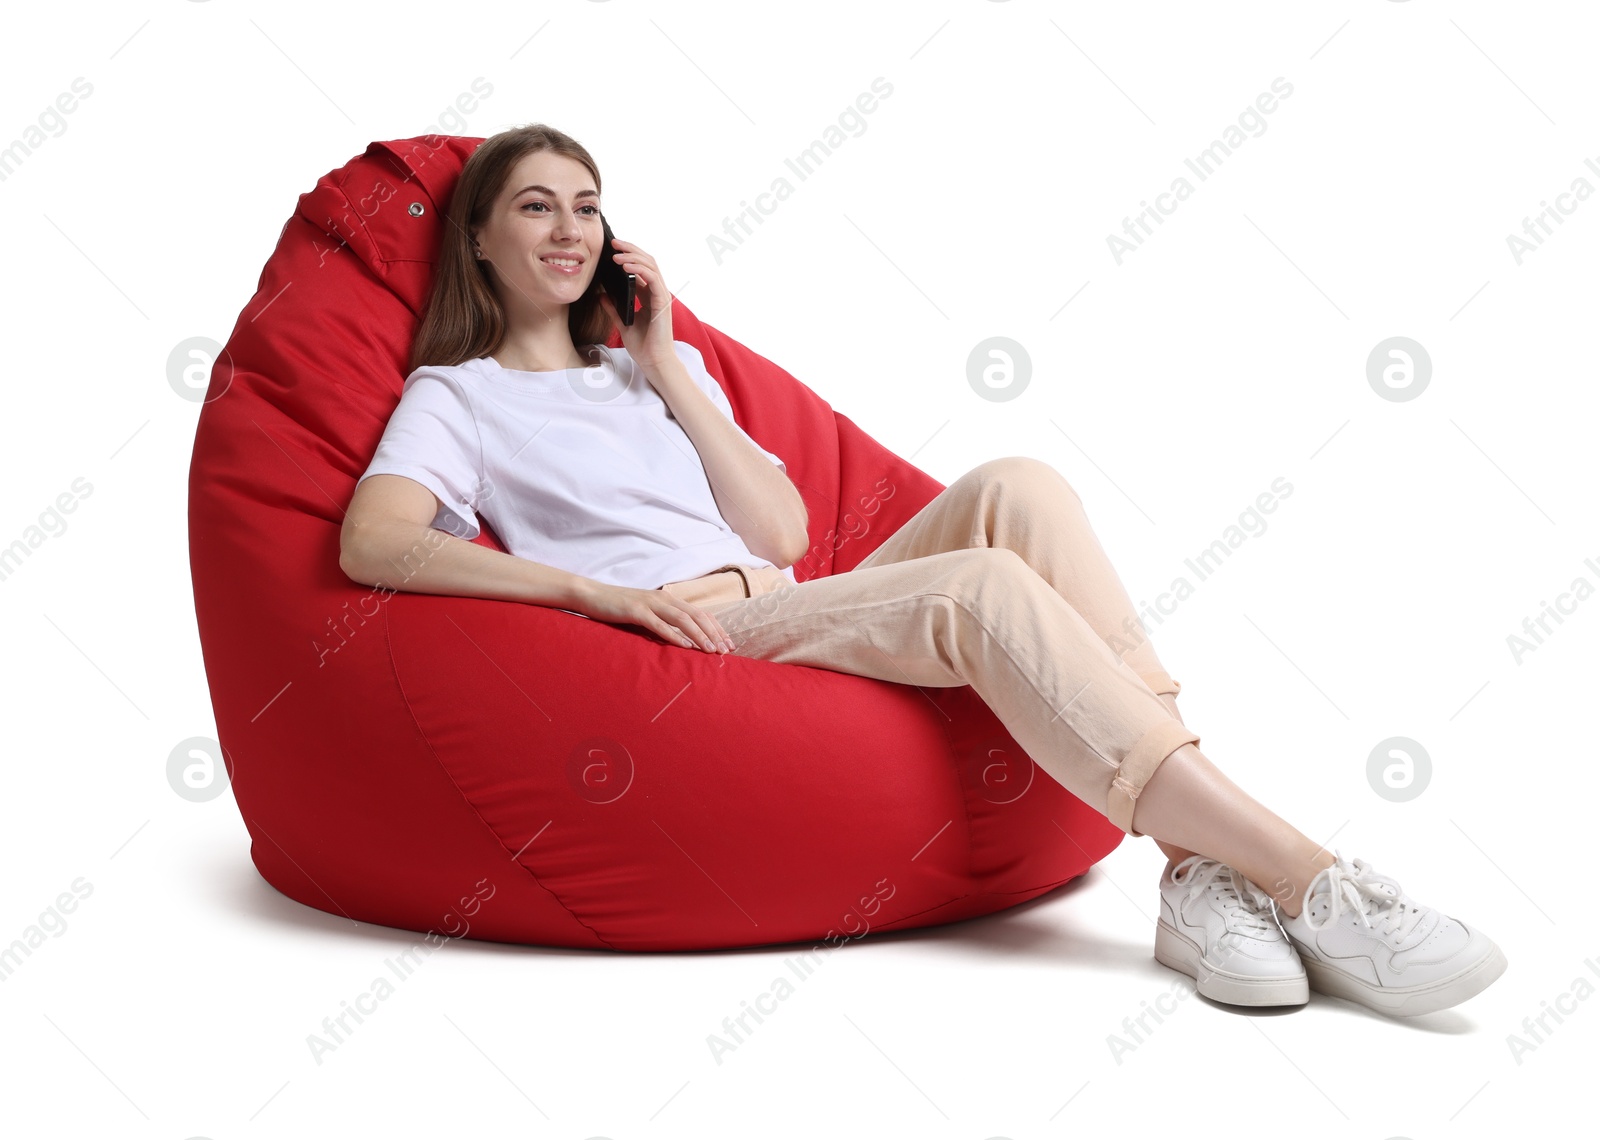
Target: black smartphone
x=613 y=279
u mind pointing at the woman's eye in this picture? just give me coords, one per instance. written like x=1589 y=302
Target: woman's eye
x=591 y=209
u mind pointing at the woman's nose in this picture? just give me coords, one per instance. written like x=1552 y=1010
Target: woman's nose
x=567 y=225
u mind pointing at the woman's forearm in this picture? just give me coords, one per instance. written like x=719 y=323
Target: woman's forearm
x=405 y=556
x=755 y=498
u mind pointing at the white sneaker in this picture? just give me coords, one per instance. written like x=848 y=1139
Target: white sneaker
x=1361 y=937
x=1217 y=927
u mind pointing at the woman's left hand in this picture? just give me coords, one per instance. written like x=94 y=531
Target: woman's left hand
x=649 y=339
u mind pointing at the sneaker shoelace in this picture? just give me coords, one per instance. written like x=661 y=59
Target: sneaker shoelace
x=1375 y=899
x=1244 y=905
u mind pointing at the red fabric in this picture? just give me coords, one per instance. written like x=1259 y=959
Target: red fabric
x=447 y=763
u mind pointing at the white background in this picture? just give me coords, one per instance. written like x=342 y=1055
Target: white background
x=1229 y=350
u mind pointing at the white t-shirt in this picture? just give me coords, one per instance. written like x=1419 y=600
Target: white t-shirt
x=585 y=469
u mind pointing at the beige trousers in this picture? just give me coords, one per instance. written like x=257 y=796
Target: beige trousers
x=999 y=583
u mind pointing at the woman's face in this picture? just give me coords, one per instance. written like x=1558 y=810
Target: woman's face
x=546 y=217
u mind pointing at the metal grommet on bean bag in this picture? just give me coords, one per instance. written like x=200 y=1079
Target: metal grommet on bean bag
x=519 y=773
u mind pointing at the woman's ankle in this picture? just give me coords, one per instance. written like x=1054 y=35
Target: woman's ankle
x=1289 y=891
x=1172 y=851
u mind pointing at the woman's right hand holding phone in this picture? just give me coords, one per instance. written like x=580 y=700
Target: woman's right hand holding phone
x=674 y=621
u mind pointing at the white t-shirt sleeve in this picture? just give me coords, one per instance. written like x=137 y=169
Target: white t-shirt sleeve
x=432 y=437
x=696 y=364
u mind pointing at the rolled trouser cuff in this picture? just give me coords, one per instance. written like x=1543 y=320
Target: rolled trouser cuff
x=1163 y=738
x=1160 y=682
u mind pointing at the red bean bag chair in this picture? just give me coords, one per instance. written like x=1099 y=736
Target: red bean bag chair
x=519 y=773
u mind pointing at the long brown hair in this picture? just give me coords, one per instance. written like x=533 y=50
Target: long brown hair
x=464 y=319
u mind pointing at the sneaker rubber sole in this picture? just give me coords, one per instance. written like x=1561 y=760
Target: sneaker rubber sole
x=1177 y=952
x=1411 y=1000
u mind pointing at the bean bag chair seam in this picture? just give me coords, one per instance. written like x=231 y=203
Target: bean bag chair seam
x=1039 y=890
x=966 y=805
x=926 y=910
x=405 y=699
x=371 y=258
x=352 y=210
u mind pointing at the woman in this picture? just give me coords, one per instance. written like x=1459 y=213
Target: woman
x=624 y=492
